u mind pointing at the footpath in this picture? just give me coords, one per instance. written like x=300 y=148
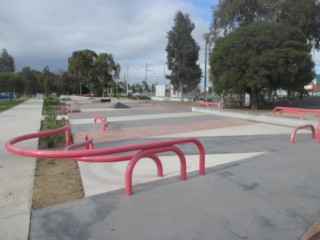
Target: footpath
x=17 y=172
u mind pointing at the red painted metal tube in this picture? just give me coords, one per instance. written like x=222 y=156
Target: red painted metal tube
x=209 y=104
x=20 y=151
x=279 y=108
x=293 y=135
x=291 y=111
x=103 y=121
x=147 y=153
x=96 y=152
x=88 y=143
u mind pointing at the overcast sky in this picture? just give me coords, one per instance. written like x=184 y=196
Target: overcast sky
x=39 y=33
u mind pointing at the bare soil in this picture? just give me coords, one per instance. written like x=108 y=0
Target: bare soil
x=56 y=181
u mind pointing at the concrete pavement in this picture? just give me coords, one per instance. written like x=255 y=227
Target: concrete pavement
x=257 y=185
x=17 y=172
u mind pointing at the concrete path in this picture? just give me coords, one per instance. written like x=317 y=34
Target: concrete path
x=17 y=172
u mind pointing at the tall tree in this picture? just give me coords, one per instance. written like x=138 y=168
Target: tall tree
x=6 y=62
x=11 y=83
x=182 y=55
x=305 y=15
x=32 y=81
x=49 y=81
x=65 y=83
x=106 y=70
x=81 y=66
x=261 y=56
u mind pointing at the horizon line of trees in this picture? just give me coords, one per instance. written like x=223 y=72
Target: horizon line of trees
x=104 y=76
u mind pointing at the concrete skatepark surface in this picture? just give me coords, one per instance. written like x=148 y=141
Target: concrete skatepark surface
x=256 y=186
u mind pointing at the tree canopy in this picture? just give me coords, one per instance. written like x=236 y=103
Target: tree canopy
x=93 y=71
x=261 y=56
x=106 y=71
x=182 y=55
x=81 y=66
x=11 y=83
x=6 y=62
x=304 y=14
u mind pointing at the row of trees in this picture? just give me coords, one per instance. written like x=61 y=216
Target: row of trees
x=88 y=73
x=261 y=46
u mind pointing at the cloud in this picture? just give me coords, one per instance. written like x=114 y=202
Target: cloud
x=45 y=33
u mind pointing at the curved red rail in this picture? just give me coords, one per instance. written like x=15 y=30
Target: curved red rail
x=298 y=111
x=141 y=150
x=103 y=122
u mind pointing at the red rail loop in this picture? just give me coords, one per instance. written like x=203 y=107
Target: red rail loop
x=112 y=154
x=103 y=121
x=209 y=104
x=293 y=135
x=298 y=111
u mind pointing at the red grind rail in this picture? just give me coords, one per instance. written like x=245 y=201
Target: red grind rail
x=142 y=150
x=209 y=104
x=103 y=121
x=314 y=133
x=298 y=111
x=66 y=108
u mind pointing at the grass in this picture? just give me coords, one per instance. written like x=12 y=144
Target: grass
x=6 y=104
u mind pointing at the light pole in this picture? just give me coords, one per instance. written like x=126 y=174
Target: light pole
x=206 y=37
x=127 y=92
x=146 y=75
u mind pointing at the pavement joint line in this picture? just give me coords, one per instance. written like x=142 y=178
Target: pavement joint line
x=137 y=117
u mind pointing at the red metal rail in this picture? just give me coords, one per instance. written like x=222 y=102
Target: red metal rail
x=209 y=104
x=103 y=121
x=313 y=132
x=298 y=111
x=67 y=108
x=112 y=154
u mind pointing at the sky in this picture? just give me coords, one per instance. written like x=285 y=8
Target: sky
x=39 y=33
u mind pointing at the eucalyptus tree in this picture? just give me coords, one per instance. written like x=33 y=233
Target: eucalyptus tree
x=182 y=55
x=106 y=70
x=6 y=62
x=81 y=66
x=32 y=80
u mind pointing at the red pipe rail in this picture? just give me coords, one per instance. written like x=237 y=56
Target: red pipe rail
x=298 y=111
x=209 y=104
x=142 y=150
x=313 y=132
x=67 y=108
x=103 y=121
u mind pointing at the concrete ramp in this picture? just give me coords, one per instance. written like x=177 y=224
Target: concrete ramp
x=119 y=105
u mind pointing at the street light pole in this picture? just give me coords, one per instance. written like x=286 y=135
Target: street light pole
x=206 y=37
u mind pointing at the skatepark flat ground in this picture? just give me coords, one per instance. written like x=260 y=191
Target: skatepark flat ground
x=257 y=185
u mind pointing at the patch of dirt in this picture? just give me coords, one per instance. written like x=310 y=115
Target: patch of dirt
x=56 y=181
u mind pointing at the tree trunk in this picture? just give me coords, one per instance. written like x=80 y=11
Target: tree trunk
x=181 y=92
x=254 y=99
